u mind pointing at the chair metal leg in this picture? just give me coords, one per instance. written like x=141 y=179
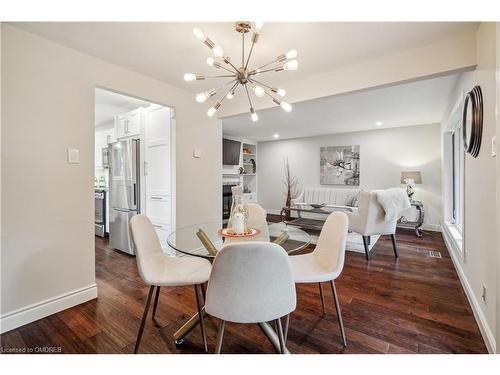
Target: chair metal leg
x=393 y=238
x=322 y=298
x=155 y=304
x=202 y=322
x=144 y=316
x=220 y=336
x=203 y=292
x=281 y=336
x=287 y=324
x=365 y=243
x=339 y=312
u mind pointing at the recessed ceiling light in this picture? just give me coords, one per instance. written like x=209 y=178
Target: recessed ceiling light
x=379 y=123
x=276 y=135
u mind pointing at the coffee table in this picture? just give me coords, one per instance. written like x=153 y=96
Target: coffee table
x=315 y=223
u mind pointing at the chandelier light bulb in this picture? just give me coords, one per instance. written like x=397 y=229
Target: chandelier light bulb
x=281 y=92
x=259 y=91
x=291 y=65
x=253 y=115
x=189 y=77
x=198 y=33
x=259 y=25
x=201 y=97
x=210 y=61
x=230 y=95
x=218 y=51
x=291 y=54
x=287 y=107
x=211 y=111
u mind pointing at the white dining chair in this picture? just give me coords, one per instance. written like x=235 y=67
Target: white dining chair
x=257 y=219
x=251 y=282
x=326 y=262
x=158 y=269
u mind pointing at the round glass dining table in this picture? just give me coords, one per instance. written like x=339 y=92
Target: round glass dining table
x=205 y=240
x=186 y=239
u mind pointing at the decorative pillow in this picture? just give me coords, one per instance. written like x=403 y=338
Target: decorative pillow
x=352 y=201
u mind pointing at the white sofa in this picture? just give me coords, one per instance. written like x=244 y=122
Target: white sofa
x=333 y=197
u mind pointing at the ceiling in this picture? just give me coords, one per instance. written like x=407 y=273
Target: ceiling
x=167 y=50
x=108 y=104
x=416 y=103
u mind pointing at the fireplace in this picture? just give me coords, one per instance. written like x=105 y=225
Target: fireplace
x=227 y=200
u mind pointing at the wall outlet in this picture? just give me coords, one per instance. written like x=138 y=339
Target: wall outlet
x=483 y=296
x=494 y=146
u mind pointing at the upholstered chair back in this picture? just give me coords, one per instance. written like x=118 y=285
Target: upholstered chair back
x=251 y=282
x=257 y=219
x=331 y=243
x=370 y=218
x=147 y=246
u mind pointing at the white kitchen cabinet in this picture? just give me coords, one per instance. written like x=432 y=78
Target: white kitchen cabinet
x=100 y=142
x=110 y=136
x=102 y=139
x=157 y=170
x=128 y=124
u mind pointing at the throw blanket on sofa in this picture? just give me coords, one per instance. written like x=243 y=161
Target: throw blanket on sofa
x=393 y=201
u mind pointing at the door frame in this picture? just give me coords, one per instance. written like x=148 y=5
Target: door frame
x=173 y=152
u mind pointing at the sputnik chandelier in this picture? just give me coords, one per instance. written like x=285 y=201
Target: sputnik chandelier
x=243 y=76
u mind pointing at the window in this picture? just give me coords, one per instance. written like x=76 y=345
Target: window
x=457 y=177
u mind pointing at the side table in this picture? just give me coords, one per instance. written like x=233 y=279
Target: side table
x=403 y=222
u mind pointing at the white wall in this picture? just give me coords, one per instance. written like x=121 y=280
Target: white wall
x=48 y=205
x=498 y=179
x=384 y=154
x=481 y=227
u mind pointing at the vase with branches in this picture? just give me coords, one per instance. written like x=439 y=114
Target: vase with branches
x=291 y=183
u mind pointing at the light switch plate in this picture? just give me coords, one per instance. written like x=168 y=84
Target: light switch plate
x=494 y=146
x=197 y=153
x=73 y=156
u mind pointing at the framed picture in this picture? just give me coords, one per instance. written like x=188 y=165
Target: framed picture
x=339 y=165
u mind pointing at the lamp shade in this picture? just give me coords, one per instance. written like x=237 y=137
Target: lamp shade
x=415 y=176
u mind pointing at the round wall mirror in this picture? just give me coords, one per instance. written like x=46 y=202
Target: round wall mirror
x=472 y=121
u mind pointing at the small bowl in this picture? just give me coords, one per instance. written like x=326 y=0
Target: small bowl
x=315 y=205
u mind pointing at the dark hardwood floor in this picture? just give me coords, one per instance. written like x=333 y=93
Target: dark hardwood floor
x=411 y=305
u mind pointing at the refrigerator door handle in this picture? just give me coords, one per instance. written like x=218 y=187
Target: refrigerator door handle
x=135 y=194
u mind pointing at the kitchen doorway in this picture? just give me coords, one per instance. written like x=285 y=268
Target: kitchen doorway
x=134 y=167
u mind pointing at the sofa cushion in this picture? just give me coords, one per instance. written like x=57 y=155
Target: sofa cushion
x=330 y=196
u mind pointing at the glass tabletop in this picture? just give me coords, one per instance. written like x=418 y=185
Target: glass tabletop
x=185 y=240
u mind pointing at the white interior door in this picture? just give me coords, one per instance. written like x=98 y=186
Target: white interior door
x=158 y=170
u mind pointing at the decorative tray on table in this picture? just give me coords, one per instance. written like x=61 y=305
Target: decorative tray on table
x=228 y=232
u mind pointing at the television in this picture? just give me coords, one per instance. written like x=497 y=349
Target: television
x=230 y=152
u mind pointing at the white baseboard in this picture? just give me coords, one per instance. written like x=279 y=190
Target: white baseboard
x=486 y=332
x=45 y=308
x=432 y=227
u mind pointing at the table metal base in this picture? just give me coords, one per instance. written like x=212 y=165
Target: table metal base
x=187 y=327
x=272 y=336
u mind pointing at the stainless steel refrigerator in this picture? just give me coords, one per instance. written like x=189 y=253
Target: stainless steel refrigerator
x=124 y=194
